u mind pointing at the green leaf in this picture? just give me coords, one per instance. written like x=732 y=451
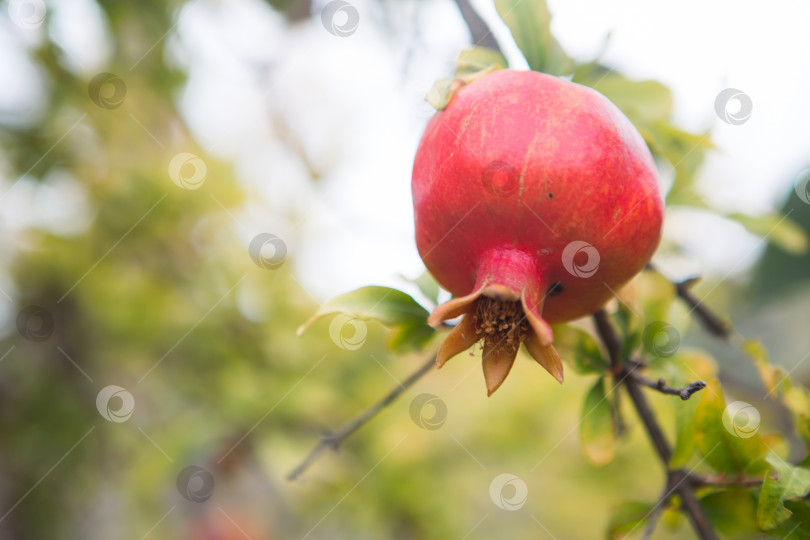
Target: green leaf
x=471 y=64
x=771 y=375
x=631 y=329
x=788 y=482
x=731 y=513
x=410 y=337
x=673 y=517
x=686 y=152
x=798 y=526
x=644 y=102
x=779 y=384
x=477 y=59
x=777 y=229
x=579 y=349
x=685 y=444
x=530 y=24
x=656 y=295
x=597 y=428
x=726 y=437
x=627 y=517
x=441 y=93
x=685 y=366
x=427 y=285
x=391 y=307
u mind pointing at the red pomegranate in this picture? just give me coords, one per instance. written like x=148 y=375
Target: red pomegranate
x=535 y=199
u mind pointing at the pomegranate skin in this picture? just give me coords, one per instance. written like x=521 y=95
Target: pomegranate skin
x=531 y=188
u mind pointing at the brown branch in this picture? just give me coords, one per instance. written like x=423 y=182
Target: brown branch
x=333 y=440
x=712 y=322
x=648 y=419
x=702 y=480
x=481 y=33
x=662 y=386
x=677 y=480
x=692 y=508
x=609 y=338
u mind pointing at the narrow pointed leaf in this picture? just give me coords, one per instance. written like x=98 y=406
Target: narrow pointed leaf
x=391 y=307
x=530 y=24
x=780 y=230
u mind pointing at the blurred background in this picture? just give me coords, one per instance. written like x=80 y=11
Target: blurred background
x=182 y=183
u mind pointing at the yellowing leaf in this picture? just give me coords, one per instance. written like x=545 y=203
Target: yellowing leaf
x=781 y=386
x=656 y=295
x=771 y=375
x=597 y=428
x=685 y=443
x=726 y=436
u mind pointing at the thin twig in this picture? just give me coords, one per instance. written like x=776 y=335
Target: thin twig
x=701 y=480
x=333 y=440
x=678 y=479
x=481 y=33
x=662 y=386
x=690 y=504
x=710 y=320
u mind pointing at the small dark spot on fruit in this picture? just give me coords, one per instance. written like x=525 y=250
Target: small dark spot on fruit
x=555 y=289
x=550 y=195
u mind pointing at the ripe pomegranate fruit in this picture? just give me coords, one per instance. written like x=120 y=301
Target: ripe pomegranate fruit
x=535 y=198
